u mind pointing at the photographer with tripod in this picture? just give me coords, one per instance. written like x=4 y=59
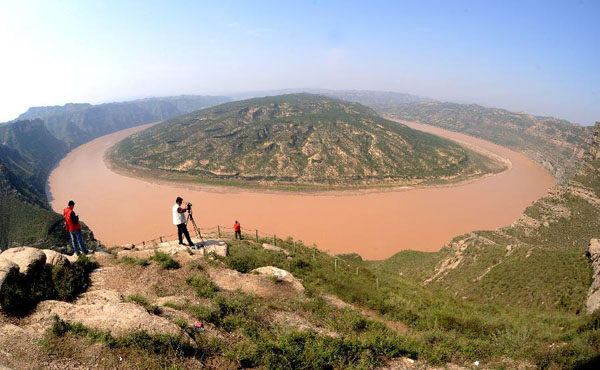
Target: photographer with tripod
x=179 y=219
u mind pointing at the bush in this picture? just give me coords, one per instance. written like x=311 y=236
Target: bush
x=203 y=286
x=142 y=301
x=135 y=261
x=165 y=261
x=20 y=294
x=164 y=344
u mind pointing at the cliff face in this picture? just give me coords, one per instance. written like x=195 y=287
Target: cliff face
x=595 y=147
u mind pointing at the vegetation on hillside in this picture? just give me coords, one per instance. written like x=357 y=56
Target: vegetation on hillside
x=295 y=140
x=556 y=144
x=365 y=332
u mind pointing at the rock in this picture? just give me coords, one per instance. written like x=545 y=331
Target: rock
x=218 y=247
x=231 y=280
x=27 y=258
x=274 y=248
x=103 y=310
x=281 y=275
x=54 y=258
x=7 y=268
x=593 y=297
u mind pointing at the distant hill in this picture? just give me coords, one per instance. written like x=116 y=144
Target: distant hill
x=31 y=145
x=76 y=124
x=556 y=144
x=297 y=139
x=365 y=97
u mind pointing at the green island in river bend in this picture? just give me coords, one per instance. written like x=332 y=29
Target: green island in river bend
x=297 y=141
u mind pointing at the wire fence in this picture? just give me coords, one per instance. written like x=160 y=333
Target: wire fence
x=218 y=231
x=254 y=234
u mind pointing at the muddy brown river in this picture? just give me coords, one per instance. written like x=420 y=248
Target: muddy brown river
x=374 y=224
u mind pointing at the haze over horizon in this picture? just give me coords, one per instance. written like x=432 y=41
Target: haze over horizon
x=539 y=57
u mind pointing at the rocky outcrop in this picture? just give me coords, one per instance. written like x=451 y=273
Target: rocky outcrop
x=280 y=275
x=274 y=248
x=593 y=297
x=595 y=146
x=218 y=247
x=7 y=269
x=257 y=283
x=54 y=258
x=103 y=310
x=28 y=259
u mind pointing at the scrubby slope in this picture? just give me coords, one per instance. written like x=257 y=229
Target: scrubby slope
x=556 y=144
x=297 y=139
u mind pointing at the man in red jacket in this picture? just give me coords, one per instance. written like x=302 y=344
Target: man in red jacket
x=238 y=230
x=74 y=228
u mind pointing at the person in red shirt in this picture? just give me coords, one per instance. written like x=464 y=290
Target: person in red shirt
x=238 y=230
x=74 y=228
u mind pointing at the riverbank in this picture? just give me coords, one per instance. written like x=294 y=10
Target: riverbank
x=374 y=224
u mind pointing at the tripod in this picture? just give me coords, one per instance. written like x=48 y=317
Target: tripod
x=190 y=217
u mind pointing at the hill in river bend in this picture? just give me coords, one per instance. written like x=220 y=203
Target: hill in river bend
x=298 y=139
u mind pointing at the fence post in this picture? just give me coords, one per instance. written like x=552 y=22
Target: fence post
x=294 y=247
x=274 y=241
x=219 y=231
x=377 y=283
x=335 y=264
x=357 y=271
x=257 y=235
x=313 y=254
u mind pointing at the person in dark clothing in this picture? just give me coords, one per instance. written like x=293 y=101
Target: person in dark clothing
x=74 y=228
x=238 y=230
x=179 y=221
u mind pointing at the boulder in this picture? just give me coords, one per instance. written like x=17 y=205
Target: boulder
x=281 y=276
x=27 y=258
x=7 y=268
x=274 y=248
x=103 y=310
x=218 y=247
x=593 y=297
x=54 y=258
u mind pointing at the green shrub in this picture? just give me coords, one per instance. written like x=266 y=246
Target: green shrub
x=164 y=344
x=22 y=293
x=134 y=261
x=142 y=301
x=203 y=286
x=14 y=297
x=165 y=261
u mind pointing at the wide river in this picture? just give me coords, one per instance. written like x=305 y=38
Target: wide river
x=374 y=224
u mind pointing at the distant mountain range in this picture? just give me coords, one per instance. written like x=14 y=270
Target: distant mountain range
x=556 y=144
x=296 y=140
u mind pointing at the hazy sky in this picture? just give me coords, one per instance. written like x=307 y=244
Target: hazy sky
x=541 y=57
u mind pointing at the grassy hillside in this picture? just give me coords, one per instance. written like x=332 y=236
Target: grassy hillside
x=351 y=316
x=31 y=145
x=535 y=269
x=295 y=140
x=556 y=144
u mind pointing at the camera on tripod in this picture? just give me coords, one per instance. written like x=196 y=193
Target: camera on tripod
x=189 y=206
